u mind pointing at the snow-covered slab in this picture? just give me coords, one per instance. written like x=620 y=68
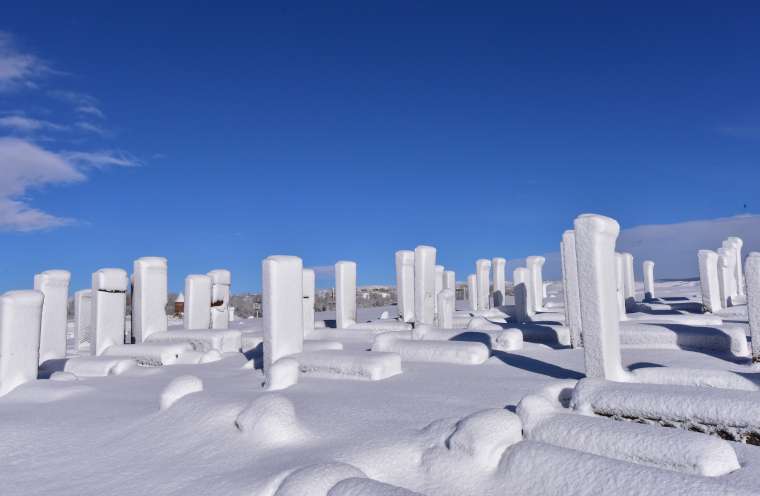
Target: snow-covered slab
x=715 y=378
x=543 y=333
x=150 y=354
x=225 y=341
x=731 y=414
x=676 y=318
x=382 y=325
x=536 y=468
x=723 y=339
x=361 y=365
x=319 y=345
x=98 y=366
x=457 y=352
x=499 y=340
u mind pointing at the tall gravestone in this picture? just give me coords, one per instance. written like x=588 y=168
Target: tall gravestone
x=424 y=285
x=54 y=285
x=20 y=323
x=197 y=312
x=499 y=267
x=149 y=297
x=109 y=306
x=405 y=284
x=221 y=281
x=482 y=274
x=309 y=289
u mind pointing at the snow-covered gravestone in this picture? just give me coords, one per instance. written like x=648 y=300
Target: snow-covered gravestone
x=620 y=285
x=424 y=285
x=446 y=308
x=439 y=270
x=405 y=284
x=724 y=278
x=629 y=283
x=737 y=244
x=345 y=294
x=82 y=316
x=20 y=320
x=472 y=291
x=197 y=302
x=282 y=288
x=54 y=285
x=149 y=297
x=752 y=273
x=307 y=300
x=595 y=237
x=648 y=268
x=221 y=280
x=572 y=298
x=450 y=280
x=535 y=266
x=109 y=306
x=523 y=292
x=483 y=273
x=708 y=280
x=499 y=267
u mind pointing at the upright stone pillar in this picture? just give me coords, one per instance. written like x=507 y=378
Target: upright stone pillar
x=708 y=280
x=424 y=285
x=82 y=316
x=595 y=237
x=149 y=297
x=309 y=288
x=629 y=283
x=439 y=270
x=282 y=289
x=620 y=285
x=109 y=307
x=450 y=280
x=482 y=273
x=446 y=309
x=737 y=244
x=572 y=298
x=648 y=268
x=752 y=272
x=472 y=291
x=221 y=281
x=198 y=301
x=523 y=293
x=724 y=279
x=499 y=267
x=20 y=322
x=405 y=284
x=54 y=285
x=535 y=266
x=345 y=294
x=728 y=250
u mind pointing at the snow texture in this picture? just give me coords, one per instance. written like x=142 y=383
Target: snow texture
x=178 y=388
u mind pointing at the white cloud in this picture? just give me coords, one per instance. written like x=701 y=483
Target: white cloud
x=25 y=166
x=24 y=124
x=90 y=110
x=91 y=128
x=82 y=102
x=17 y=69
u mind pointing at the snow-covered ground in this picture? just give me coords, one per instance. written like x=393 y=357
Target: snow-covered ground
x=109 y=436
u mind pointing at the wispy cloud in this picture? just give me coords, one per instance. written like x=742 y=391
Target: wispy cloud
x=91 y=128
x=25 y=124
x=104 y=158
x=18 y=69
x=90 y=109
x=82 y=102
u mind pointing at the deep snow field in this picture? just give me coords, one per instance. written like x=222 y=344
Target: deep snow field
x=107 y=436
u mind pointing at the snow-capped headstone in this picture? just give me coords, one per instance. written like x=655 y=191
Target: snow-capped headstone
x=405 y=284
x=472 y=292
x=439 y=270
x=498 y=267
x=572 y=298
x=648 y=268
x=221 y=280
x=446 y=308
x=149 y=297
x=82 y=316
x=535 y=265
x=725 y=278
x=708 y=280
x=523 y=293
x=282 y=295
x=109 y=304
x=20 y=322
x=450 y=280
x=737 y=244
x=620 y=285
x=54 y=285
x=629 y=283
x=424 y=285
x=197 y=302
x=307 y=300
x=483 y=275
x=595 y=237
x=345 y=294
x=752 y=273
x=729 y=250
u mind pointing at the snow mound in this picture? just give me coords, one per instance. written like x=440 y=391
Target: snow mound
x=150 y=354
x=357 y=486
x=317 y=480
x=62 y=376
x=457 y=352
x=179 y=388
x=270 y=421
x=485 y=435
x=226 y=341
x=98 y=366
x=362 y=365
x=482 y=324
x=282 y=374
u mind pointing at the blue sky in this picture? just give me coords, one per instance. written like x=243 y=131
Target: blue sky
x=217 y=135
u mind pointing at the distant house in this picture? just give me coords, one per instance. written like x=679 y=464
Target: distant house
x=179 y=304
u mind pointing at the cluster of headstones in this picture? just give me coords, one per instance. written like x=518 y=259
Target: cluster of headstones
x=721 y=276
x=425 y=291
x=33 y=323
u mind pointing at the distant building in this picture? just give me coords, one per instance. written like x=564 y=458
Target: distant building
x=179 y=304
